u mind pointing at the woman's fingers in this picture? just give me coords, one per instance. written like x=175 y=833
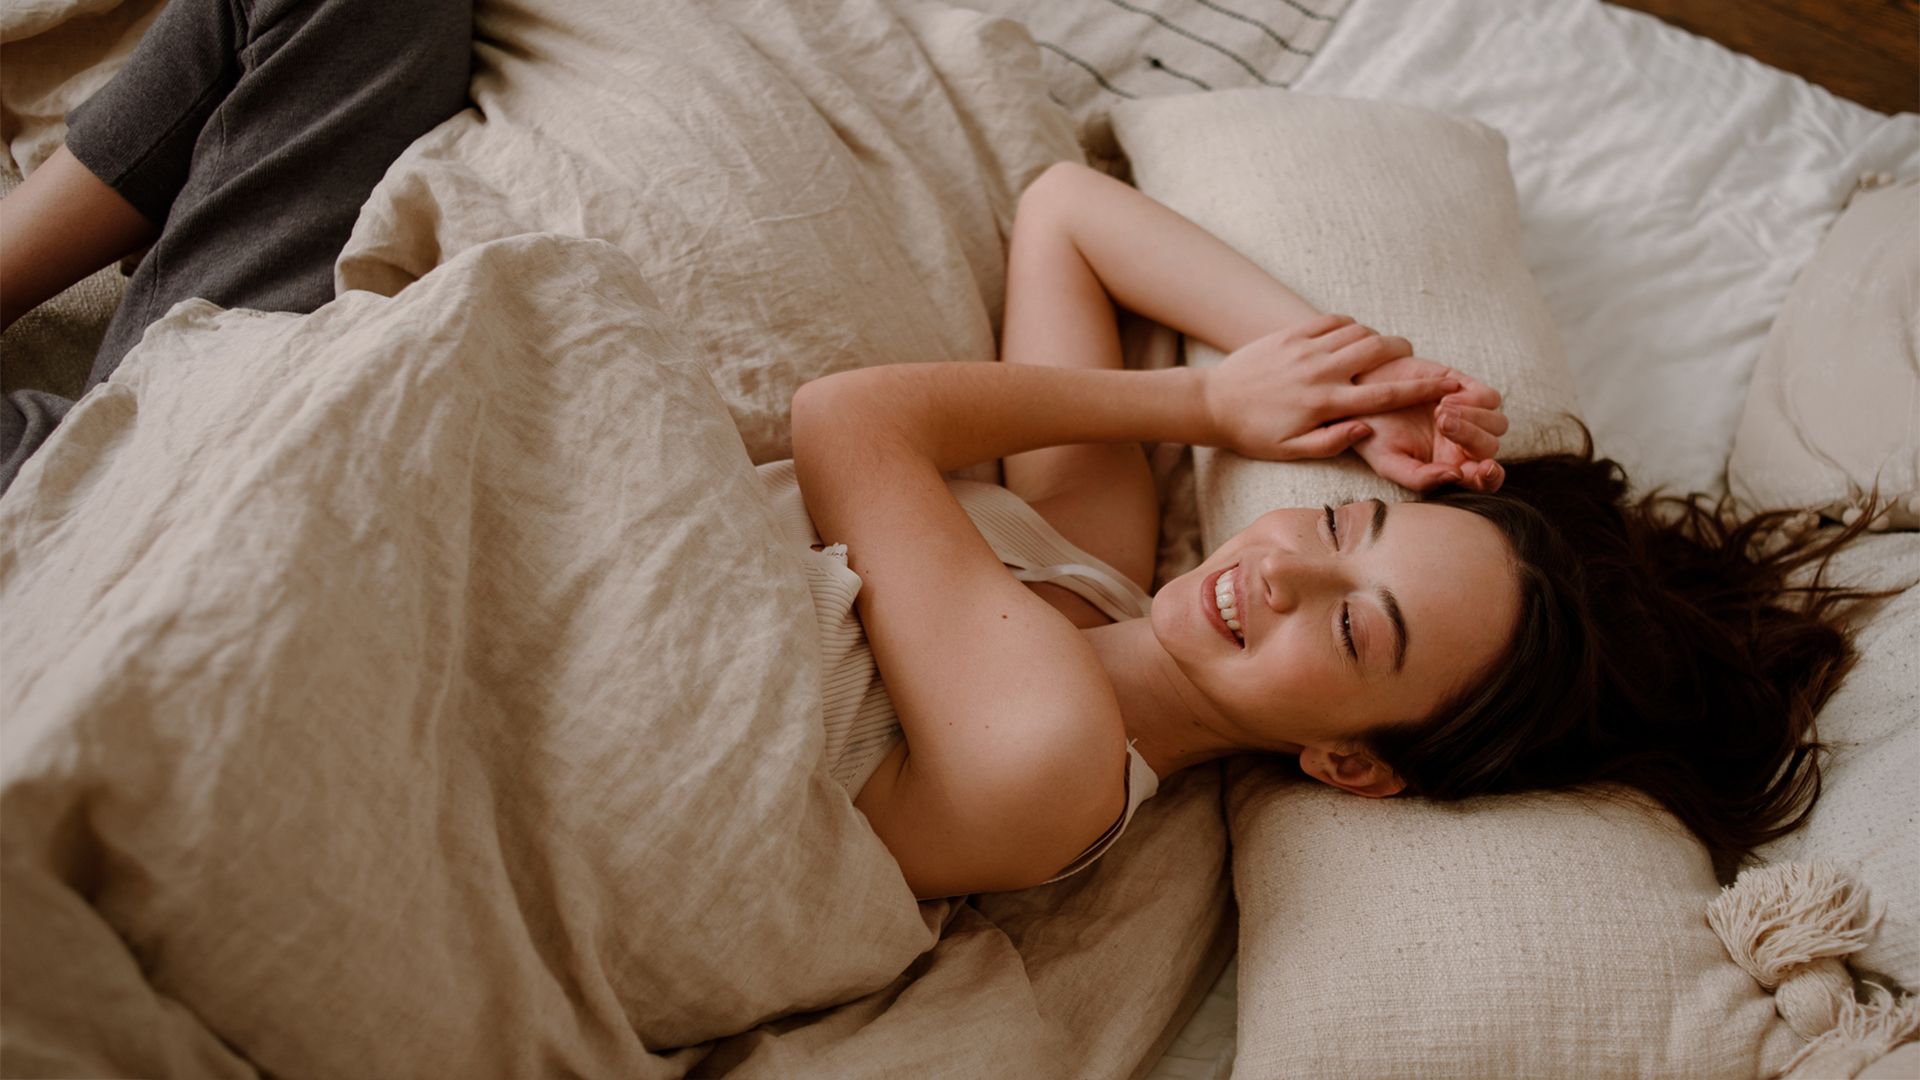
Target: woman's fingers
x=1493 y=476
x=1491 y=421
x=1475 y=440
x=1325 y=442
x=1414 y=474
x=1484 y=476
x=1366 y=353
x=1384 y=397
x=1343 y=336
x=1321 y=325
x=1479 y=394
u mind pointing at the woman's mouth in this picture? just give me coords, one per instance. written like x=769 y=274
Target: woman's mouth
x=1219 y=597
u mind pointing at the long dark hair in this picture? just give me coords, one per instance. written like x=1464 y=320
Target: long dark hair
x=1664 y=645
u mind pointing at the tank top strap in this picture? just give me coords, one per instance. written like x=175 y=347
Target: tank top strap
x=1141 y=783
x=1035 y=551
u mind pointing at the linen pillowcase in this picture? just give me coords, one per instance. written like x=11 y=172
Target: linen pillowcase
x=1403 y=218
x=1518 y=935
x=1834 y=409
x=810 y=185
x=1869 y=809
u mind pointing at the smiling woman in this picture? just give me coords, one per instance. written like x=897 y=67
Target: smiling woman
x=1001 y=701
x=1330 y=604
x=1481 y=640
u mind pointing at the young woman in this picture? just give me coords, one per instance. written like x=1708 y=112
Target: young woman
x=1489 y=638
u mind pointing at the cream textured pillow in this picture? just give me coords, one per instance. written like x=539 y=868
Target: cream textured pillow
x=1834 y=409
x=1516 y=935
x=1868 y=816
x=1469 y=935
x=809 y=186
x=1403 y=218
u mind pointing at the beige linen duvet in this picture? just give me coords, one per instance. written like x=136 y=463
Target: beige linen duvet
x=421 y=687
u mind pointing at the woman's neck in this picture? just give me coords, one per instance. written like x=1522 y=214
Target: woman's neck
x=1173 y=725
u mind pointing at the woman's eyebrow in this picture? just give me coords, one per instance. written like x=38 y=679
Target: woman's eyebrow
x=1399 y=628
x=1387 y=601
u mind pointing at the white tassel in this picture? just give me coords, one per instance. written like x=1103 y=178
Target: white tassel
x=1779 y=917
x=1788 y=925
x=1865 y=1033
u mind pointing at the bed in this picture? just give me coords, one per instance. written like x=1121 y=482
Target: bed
x=527 y=912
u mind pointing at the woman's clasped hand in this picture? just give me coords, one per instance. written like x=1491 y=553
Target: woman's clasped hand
x=1331 y=384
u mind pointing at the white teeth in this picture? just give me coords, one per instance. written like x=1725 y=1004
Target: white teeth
x=1223 y=597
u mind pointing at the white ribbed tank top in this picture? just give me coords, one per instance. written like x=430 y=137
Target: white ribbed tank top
x=861 y=725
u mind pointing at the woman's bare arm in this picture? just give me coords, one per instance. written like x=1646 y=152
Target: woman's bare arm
x=1100 y=496
x=1154 y=262
x=1076 y=231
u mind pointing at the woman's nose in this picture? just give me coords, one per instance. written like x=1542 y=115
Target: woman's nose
x=1288 y=578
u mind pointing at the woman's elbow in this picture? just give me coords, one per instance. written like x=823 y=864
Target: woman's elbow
x=823 y=406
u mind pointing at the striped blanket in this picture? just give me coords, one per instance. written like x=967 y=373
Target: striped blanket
x=1097 y=52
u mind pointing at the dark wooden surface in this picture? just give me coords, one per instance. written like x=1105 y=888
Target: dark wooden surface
x=1867 y=50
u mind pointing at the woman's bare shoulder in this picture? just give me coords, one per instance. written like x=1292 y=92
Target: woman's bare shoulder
x=1040 y=824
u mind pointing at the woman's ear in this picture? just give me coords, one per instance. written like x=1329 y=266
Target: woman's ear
x=1357 y=773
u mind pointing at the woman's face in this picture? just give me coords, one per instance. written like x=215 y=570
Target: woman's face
x=1349 y=618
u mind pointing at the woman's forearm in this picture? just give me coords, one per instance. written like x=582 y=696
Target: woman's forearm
x=957 y=414
x=1155 y=262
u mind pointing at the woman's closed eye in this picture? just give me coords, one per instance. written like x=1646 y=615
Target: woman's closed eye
x=1346 y=609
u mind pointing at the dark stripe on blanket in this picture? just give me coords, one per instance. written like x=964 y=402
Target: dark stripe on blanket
x=1308 y=12
x=1091 y=70
x=1228 y=53
x=1160 y=65
x=1264 y=28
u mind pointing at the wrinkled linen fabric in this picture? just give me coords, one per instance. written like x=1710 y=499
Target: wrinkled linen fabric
x=54 y=54
x=515 y=932
x=381 y=708
x=809 y=185
x=424 y=685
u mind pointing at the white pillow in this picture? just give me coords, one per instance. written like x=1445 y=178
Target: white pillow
x=1834 y=408
x=1403 y=218
x=808 y=186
